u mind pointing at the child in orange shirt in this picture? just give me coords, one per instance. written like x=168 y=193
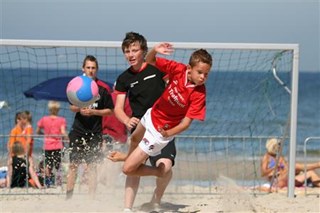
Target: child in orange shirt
x=22 y=132
x=16 y=134
x=28 y=131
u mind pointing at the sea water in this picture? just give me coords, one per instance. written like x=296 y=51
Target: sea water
x=223 y=116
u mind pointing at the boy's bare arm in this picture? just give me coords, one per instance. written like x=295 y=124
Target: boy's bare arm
x=183 y=125
x=162 y=48
x=119 y=111
x=151 y=57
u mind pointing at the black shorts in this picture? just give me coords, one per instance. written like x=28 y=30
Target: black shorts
x=53 y=158
x=168 y=152
x=85 y=148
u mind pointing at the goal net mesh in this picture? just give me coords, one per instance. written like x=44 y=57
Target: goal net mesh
x=247 y=102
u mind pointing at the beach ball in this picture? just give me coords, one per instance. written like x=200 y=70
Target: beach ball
x=82 y=91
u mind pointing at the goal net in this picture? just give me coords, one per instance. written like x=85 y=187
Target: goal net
x=251 y=96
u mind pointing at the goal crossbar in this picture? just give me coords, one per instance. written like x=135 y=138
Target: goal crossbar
x=190 y=45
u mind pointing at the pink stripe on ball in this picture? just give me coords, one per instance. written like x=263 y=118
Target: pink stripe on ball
x=94 y=88
x=75 y=84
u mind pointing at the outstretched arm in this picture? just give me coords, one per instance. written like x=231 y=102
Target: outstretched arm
x=162 y=48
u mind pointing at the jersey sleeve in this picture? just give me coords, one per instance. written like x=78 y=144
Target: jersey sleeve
x=169 y=66
x=197 y=108
x=120 y=86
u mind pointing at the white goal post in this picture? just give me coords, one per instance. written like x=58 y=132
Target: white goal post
x=231 y=60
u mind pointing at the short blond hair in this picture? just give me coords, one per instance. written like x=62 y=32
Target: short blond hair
x=272 y=145
x=17 y=148
x=54 y=107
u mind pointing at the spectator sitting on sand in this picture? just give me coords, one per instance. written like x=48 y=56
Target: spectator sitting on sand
x=268 y=165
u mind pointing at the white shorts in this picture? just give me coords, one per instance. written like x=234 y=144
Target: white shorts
x=152 y=142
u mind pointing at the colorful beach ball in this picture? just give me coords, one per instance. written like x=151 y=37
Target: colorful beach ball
x=82 y=91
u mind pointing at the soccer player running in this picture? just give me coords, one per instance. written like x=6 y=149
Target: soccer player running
x=143 y=84
x=86 y=132
x=183 y=100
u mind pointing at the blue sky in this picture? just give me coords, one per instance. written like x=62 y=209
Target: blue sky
x=265 y=21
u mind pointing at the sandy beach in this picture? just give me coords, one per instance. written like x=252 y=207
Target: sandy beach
x=226 y=198
x=223 y=195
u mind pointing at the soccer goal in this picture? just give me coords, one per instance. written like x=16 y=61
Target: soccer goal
x=252 y=94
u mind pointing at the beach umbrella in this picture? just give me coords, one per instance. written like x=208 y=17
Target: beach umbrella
x=52 y=89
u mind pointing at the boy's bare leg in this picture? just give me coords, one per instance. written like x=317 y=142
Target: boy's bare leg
x=134 y=141
x=314 y=177
x=71 y=178
x=131 y=188
x=134 y=165
x=92 y=179
x=162 y=182
x=310 y=166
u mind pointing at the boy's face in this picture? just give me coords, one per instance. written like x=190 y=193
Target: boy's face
x=90 y=69
x=22 y=121
x=134 y=55
x=199 y=73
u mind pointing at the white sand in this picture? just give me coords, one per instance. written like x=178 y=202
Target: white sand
x=227 y=199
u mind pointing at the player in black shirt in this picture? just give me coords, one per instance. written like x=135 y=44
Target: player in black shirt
x=143 y=84
x=143 y=88
x=86 y=132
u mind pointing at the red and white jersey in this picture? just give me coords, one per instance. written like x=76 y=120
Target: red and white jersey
x=180 y=99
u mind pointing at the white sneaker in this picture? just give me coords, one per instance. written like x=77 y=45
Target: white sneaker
x=127 y=210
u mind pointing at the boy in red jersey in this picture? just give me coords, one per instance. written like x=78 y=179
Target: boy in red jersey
x=142 y=84
x=183 y=100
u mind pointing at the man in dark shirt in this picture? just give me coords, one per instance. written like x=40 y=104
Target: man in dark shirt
x=86 y=132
